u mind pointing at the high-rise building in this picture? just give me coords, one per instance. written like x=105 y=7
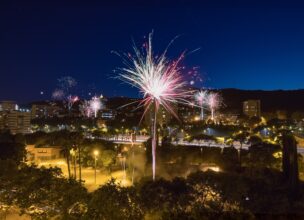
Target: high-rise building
x=18 y=122
x=163 y=115
x=252 y=108
x=188 y=113
x=8 y=106
x=45 y=110
x=2 y=120
x=14 y=119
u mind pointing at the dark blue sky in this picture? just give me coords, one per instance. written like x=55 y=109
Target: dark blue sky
x=247 y=46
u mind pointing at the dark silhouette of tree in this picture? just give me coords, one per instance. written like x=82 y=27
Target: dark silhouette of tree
x=241 y=137
x=12 y=147
x=63 y=139
x=114 y=202
x=229 y=159
x=202 y=137
x=77 y=140
x=254 y=140
x=6 y=136
x=13 y=151
x=290 y=163
x=39 y=192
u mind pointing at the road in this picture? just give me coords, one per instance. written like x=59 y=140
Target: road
x=87 y=174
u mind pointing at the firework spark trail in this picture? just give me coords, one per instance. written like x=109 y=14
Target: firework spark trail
x=159 y=80
x=63 y=92
x=95 y=105
x=201 y=97
x=214 y=102
x=92 y=106
x=71 y=101
x=85 y=109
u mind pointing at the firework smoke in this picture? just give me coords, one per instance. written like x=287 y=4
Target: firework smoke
x=58 y=94
x=66 y=82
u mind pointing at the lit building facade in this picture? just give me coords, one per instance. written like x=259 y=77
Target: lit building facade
x=252 y=108
x=108 y=114
x=45 y=110
x=40 y=154
x=8 y=106
x=18 y=122
x=163 y=116
x=14 y=119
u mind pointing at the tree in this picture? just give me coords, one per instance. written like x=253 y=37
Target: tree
x=63 y=138
x=202 y=137
x=39 y=192
x=290 y=163
x=262 y=156
x=6 y=136
x=254 y=122
x=229 y=159
x=297 y=115
x=38 y=138
x=77 y=140
x=13 y=151
x=165 y=198
x=107 y=158
x=78 y=210
x=114 y=202
x=241 y=137
x=254 y=140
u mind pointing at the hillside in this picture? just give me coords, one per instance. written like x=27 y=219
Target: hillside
x=288 y=100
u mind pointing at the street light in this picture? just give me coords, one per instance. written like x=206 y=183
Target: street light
x=96 y=152
x=73 y=153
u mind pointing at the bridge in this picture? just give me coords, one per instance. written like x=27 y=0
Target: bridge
x=127 y=139
x=140 y=139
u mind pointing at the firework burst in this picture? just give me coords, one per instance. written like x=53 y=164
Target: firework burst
x=91 y=107
x=71 y=101
x=85 y=108
x=67 y=82
x=63 y=92
x=201 y=98
x=95 y=105
x=158 y=79
x=214 y=102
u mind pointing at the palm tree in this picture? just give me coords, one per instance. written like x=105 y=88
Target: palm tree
x=66 y=154
x=73 y=153
x=290 y=163
x=77 y=139
x=241 y=137
x=62 y=138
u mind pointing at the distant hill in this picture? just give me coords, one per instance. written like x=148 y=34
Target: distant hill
x=288 y=100
x=118 y=102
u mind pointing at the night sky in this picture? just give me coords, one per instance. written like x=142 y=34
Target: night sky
x=246 y=46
